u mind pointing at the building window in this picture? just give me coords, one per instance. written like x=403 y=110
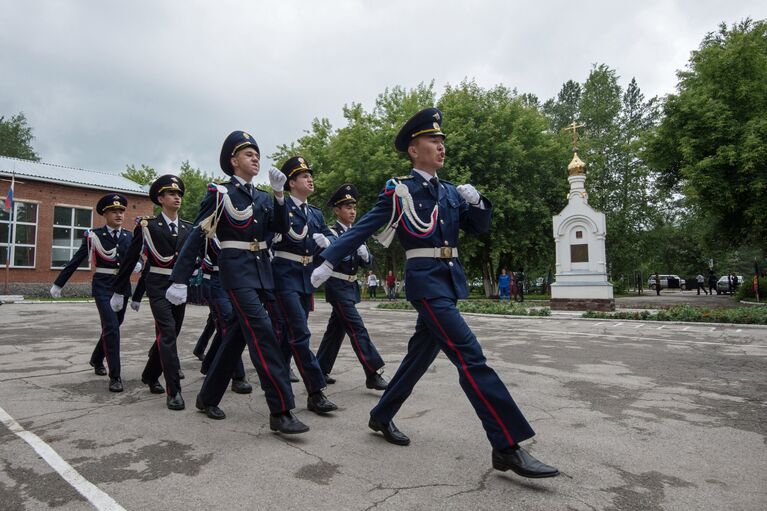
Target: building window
x=22 y=234
x=578 y=234
x=69 y=226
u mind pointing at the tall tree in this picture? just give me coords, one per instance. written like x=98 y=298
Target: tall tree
x=711 y=142
x=16 y=138
x=143 y=176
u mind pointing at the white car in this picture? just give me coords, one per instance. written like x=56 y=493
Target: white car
x=723 y=284
x=664 y=281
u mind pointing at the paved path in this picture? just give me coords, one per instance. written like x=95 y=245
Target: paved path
x=636 y=415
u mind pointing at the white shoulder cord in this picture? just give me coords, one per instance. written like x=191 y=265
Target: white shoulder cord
x=401 y=190
x=95 y=245
x=150 y=245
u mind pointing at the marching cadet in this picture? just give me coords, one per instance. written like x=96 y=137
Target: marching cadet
x=343 y=292
x=293 y=263
x=241 y=217
x=432 y=211
x=108 y=246
x=161 y=237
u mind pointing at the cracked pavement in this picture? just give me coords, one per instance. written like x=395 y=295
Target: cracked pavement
x=635 y=417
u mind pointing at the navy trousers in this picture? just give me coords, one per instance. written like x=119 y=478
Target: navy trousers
x=210 y=327
x=346 y=320
x=109 y=341
x=441 y=327
x=293 y=311
x=221 y=309
x=255 y=330
x=163 y=355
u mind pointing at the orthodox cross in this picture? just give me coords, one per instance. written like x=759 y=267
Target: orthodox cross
x=574 y=128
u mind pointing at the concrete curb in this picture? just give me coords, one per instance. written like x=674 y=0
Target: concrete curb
x=602 y=320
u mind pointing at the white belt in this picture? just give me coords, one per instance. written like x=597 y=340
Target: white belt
x=161 y=271
x=108 y=271
x=436 y=252
x=343 y=276
x=211 y=269
x=206 y=276
x=253 y=246
x=305 y=260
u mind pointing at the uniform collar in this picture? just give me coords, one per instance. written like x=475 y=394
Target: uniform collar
x=241 y=180
x=425 y=175
x=111 y=231
x=168 y=221
x=297 y=202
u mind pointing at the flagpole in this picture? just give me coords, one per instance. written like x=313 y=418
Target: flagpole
x=10 y=232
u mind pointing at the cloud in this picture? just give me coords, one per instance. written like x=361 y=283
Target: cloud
x=105 y=84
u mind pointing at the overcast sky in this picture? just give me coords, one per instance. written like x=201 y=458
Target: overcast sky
x=106 y=83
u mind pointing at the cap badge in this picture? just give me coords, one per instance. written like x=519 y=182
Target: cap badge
x=436 y=116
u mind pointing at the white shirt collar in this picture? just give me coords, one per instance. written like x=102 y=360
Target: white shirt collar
x=346 y=227
x=168 y=220
x=112 y=231
x=241 y=180
x=424 y=174
x=298 y=202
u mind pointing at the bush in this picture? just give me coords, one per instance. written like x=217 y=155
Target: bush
x=482 y=307
x=738 y=315
x=746 y=290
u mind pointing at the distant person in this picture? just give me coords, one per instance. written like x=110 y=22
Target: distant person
x=657 y=284
x=730 y=284
x=711 y=282
x=520 y=278
x=372 y=284
x=504 y=285
x=734 y=283
x=701 y=280
x=391 y=285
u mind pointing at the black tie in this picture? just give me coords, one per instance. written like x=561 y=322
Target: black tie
x=435 y=183
x=173 y=229
x=115 y=236
x=249 y=189
x=303 y=208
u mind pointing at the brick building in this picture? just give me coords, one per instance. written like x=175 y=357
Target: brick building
x=54 y=205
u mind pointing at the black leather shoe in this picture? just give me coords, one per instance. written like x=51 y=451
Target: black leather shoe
x=115 y=384
x=318 y=403
x=390 y=432
x=99 y=369
x=287 y=423
x=175 y=402
x=212 y=411
x=329 y=379
x=293 y=377
x=154 y=386
x=241 y=386
x=376 y=382
x=181 y=374
x=522 y=463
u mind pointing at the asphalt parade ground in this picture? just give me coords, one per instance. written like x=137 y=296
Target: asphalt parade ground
x=636 y=415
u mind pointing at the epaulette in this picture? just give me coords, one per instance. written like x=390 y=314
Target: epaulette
x=403 y=177
x=446 y=181
x=144 y=220
x=333 y=230
x=185 y=221
x=315 y=207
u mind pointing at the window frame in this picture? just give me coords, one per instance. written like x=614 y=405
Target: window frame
x=12 y=232
x=75 y=246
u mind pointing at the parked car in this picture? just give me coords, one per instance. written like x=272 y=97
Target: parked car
x=667 y=282
x=723 y=284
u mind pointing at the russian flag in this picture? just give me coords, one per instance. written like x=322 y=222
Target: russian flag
x=9 y=197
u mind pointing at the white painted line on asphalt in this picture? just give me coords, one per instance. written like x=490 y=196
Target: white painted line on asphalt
x=661 y=327
x=90 y=491
x=739 y=330
x=617 y=324
x=685 y=328
x=638 y=326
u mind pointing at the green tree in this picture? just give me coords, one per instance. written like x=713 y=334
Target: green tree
x=16 y=138
x=143 y=176
x=710 y=145
x=195 y=187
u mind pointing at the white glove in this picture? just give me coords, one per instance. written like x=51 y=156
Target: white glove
x=469 y=194
x=135 y=306
x=138 y=267
x=277 y=179
x=176 y=293
x=55 y=291
x=321 y=273
x=116 y=302
x=321 y=240
x=362 y=251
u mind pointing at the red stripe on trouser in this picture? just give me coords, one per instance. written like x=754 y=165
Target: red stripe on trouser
x=158 y=333
x=258 y=348
x=468 y=374
x=296 y=357
x=353 y=337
